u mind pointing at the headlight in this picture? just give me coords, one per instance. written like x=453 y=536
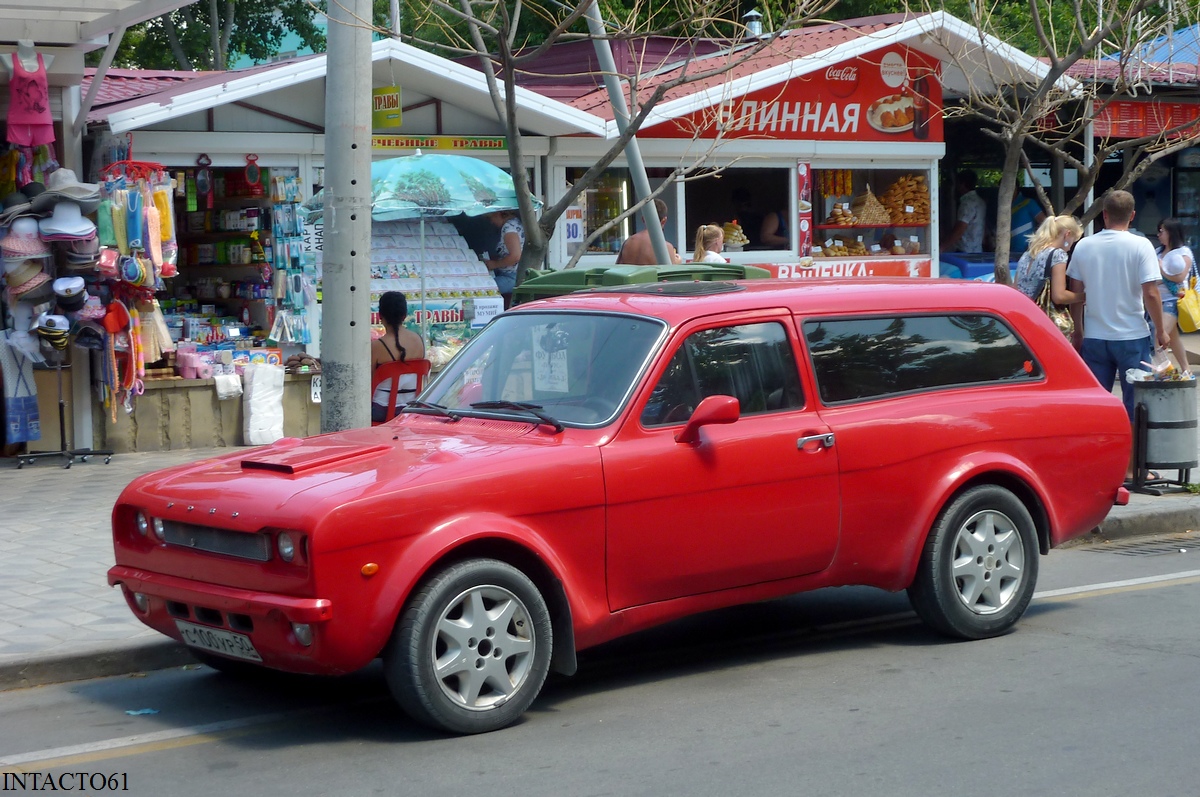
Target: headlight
x=143 y=524
x=158 y=529
x=287 y=548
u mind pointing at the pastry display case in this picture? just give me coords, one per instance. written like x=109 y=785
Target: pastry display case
x=870 y=213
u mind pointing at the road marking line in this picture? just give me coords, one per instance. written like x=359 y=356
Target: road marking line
x=94 y=750
x=215 y=731
x=1182 y=577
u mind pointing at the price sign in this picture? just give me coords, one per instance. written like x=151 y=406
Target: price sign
x=573 y=223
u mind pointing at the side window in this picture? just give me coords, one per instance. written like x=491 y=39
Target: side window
x=863 y=358
x=752 y=362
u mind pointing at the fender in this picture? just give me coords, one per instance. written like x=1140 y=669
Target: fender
x=953 y=482
x=421 y=552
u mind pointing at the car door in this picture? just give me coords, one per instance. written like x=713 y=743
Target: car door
x=752 y=501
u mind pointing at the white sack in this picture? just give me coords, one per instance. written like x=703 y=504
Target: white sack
x=262 y=403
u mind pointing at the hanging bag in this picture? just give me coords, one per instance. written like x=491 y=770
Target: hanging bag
x=1189 y=304
x=1061 y=316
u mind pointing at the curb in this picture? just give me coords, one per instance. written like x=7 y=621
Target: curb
x=97 y=663
x=1145 y=517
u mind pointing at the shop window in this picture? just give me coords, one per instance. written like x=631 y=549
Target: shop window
x=864 y=358
x=607 y=197
x=738 y=196
x=752 y=362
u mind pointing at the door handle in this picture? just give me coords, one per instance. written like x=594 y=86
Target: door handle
x=826 y=440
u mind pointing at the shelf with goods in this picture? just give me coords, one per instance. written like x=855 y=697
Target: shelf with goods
x=223 y=221
x=449 y=290
x=219 y=226
x=851 y=220
x=600 y=204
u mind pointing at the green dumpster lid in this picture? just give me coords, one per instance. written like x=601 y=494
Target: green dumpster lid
x=672 y=288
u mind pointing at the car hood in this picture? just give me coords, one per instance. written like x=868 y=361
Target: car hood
x=293 y=481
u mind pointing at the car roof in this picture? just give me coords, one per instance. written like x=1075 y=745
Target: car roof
x=674 y=303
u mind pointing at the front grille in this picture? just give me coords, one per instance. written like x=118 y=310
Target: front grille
x=241 y=544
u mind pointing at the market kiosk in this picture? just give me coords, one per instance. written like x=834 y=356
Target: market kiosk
x=835 y=157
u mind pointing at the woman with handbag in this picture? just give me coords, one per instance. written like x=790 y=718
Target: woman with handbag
x=1175 y=261
x=1042 y=271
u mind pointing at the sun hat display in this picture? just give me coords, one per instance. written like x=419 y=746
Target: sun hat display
x=22 y=241
x=70 y=292
x=63 y=184
x=93 y=309
x=81 y=250
x=19 y=272
x=35 y=290
x=29 y=200
x=67 y=222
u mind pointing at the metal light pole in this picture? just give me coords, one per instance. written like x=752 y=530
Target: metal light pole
x=633 y=154
x=346 y=278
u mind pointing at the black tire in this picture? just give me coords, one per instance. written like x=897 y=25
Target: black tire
x=979 y=568
x=481 y=618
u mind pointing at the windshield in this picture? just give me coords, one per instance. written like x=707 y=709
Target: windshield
x=578 y=368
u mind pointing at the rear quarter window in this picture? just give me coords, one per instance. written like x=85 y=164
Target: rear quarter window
x=856 y=359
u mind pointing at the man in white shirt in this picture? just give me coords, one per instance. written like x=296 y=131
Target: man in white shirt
x=1119 y=272
x=967 y=233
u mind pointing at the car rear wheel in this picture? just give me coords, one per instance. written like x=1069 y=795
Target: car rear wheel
x=471 y=649
x=979 y=567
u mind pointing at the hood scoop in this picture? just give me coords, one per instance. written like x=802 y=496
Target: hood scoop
x=307 y=458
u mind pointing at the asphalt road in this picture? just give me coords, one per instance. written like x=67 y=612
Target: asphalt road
x=836 y=693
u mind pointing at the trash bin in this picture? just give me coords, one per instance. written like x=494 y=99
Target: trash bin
x=1169 y=410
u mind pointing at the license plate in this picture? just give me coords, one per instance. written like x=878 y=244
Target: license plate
x=237 y=646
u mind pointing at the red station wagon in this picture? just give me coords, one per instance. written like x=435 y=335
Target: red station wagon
x=595 y=464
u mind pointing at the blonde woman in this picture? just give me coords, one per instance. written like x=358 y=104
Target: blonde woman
x=1046 y=259
x=710 y=240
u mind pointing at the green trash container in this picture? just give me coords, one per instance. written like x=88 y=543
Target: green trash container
x=557 y=283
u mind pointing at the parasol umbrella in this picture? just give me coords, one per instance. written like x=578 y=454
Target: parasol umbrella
x=433 y=186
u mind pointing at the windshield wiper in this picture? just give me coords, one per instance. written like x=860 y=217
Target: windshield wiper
x=438 y=409
x=522 y=406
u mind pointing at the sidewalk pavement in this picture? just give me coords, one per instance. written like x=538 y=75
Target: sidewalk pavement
x=60 y=621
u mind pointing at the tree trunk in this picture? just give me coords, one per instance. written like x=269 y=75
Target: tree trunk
x=214 y=31
x=227 y=34
x=176 y=47
x=1004 y=198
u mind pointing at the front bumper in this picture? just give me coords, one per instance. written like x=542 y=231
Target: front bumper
x=265 y=617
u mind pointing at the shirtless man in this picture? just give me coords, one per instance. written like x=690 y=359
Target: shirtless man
x=637 y=249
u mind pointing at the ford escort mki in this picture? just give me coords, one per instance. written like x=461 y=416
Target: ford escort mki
x=598 y=463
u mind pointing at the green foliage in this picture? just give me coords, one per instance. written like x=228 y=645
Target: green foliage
x=255 y=29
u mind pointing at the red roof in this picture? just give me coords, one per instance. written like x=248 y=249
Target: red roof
x=123 y=87
x=1106 y=71
x=788 y=46
x=120 y=85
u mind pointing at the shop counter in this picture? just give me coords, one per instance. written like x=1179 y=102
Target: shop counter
x=175 y=414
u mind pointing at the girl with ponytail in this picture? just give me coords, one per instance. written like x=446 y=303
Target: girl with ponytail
x=399 y=343
x=710 y=240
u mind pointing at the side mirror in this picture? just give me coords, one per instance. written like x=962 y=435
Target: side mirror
x=714 y=409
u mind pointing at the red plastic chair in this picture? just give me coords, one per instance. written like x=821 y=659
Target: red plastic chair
x=394 y=371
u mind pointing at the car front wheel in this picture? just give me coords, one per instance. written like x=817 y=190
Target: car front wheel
x=471 y=649
x=979 y=568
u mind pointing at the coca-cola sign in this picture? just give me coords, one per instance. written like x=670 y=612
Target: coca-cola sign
x=842 y=79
